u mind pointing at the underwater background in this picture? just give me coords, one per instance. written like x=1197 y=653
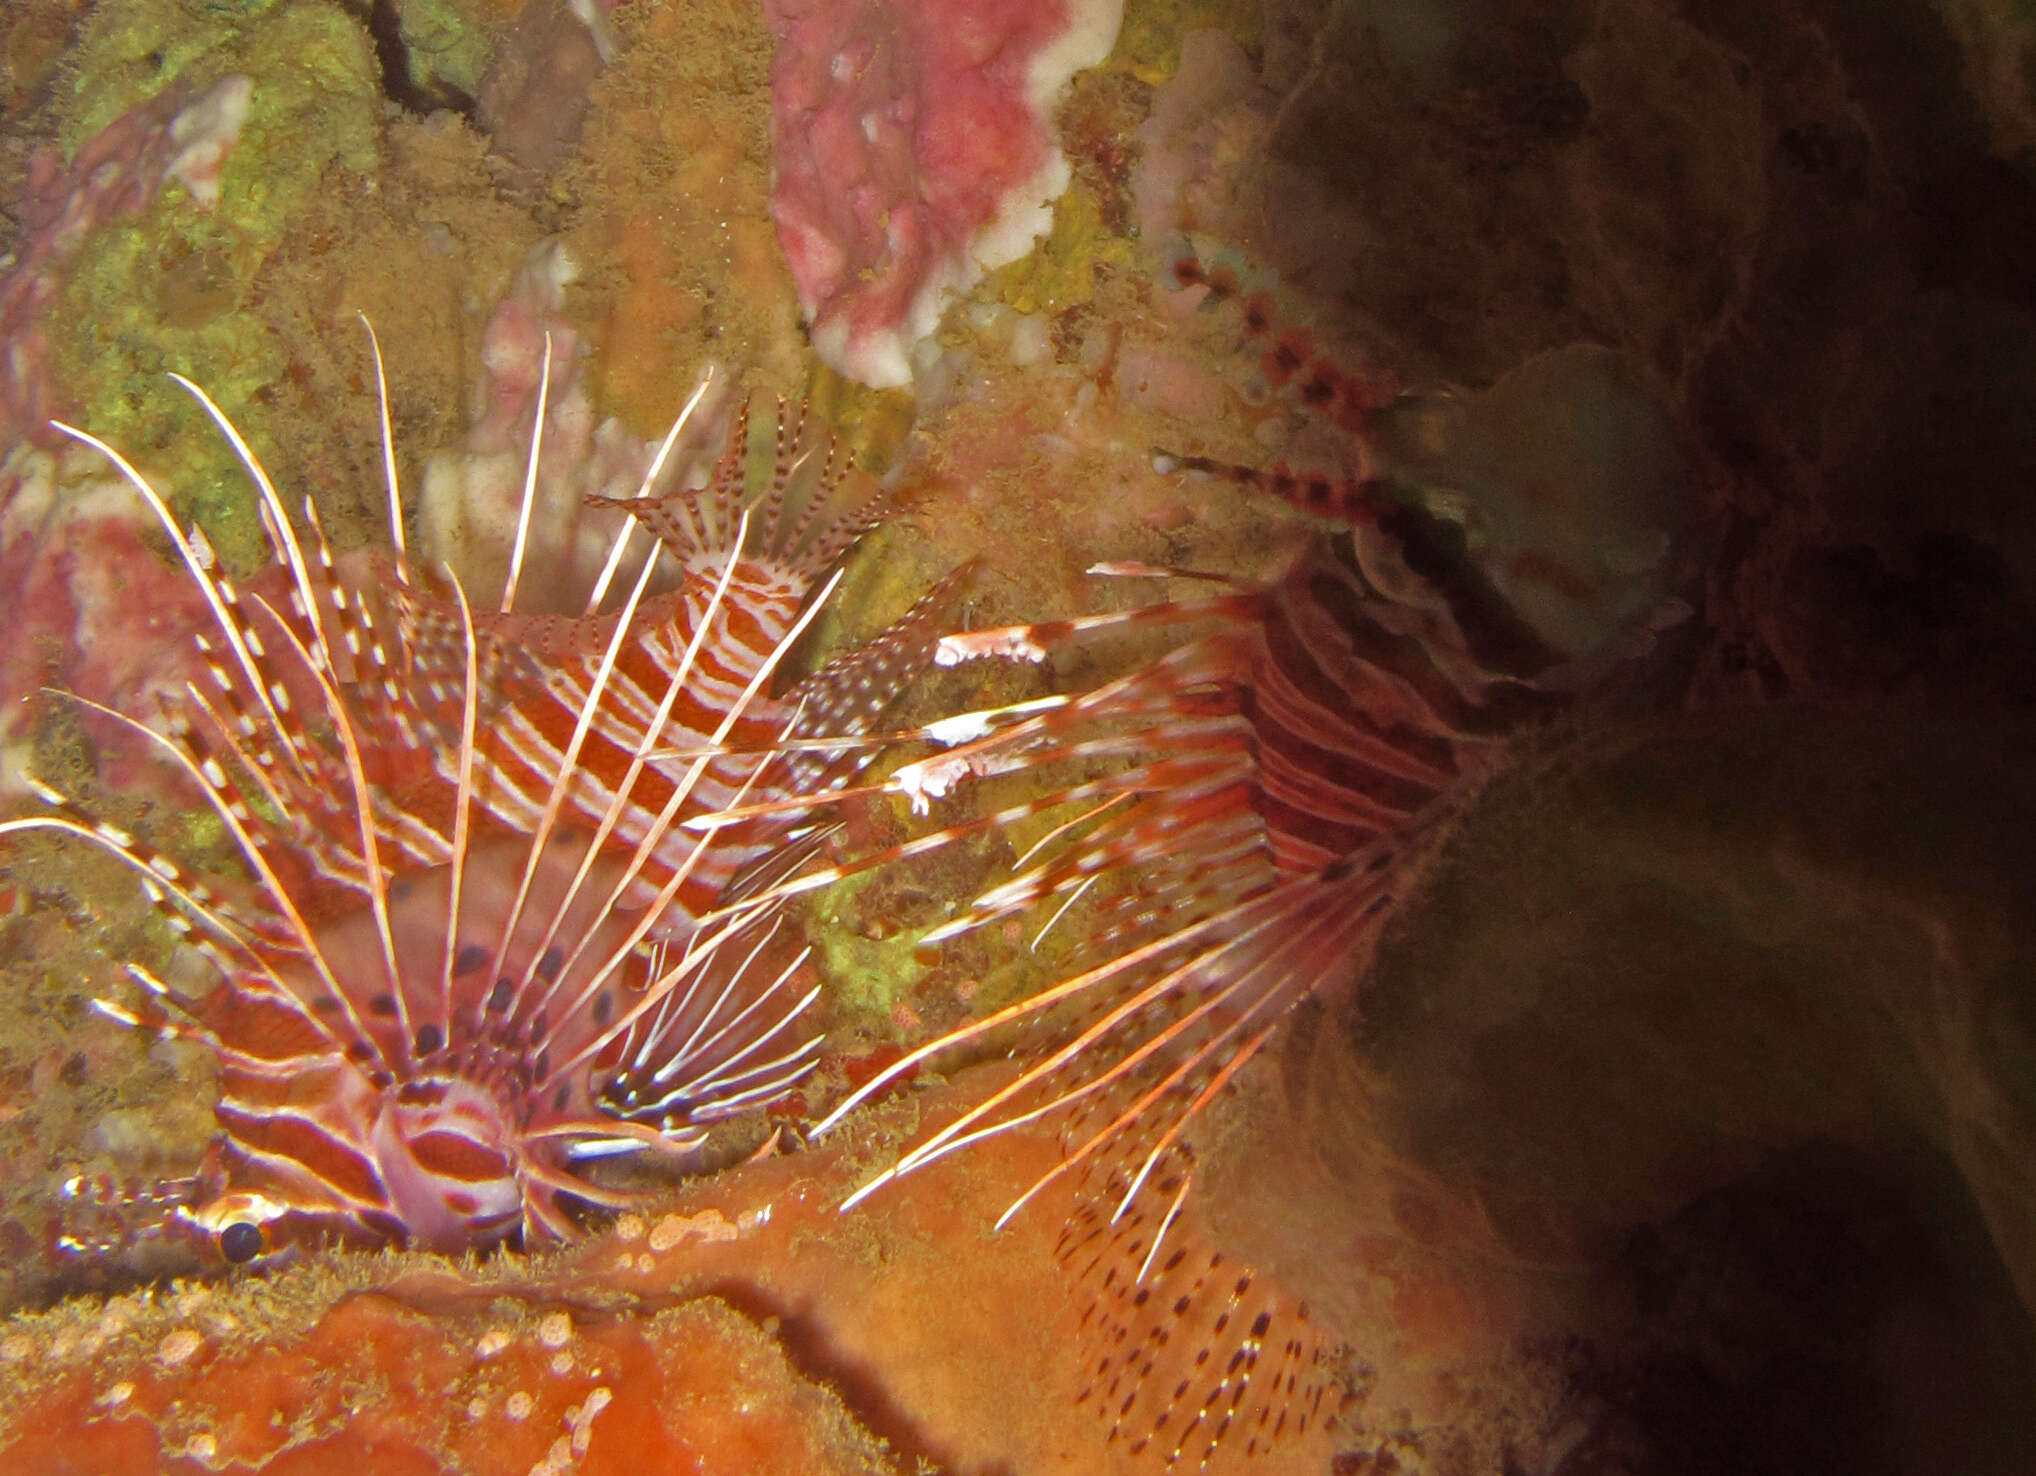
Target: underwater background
x=1685 y=1119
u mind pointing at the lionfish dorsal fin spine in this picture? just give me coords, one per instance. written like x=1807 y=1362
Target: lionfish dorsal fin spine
x=1353 y=500
x=649 y=844
x=463 y=791
x=530 y=468
x=561 y=786
x=193 y=898
x=274 y=516
x=392 y=488
x=363 y=807
x=1289 y=362
x=670 y=888
x=207 y=584
x=321 y=732
x=847 y=696
x=652 y=474
x=800 y=520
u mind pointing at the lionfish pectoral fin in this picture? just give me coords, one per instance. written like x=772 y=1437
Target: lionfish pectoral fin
x=848 y=696
x=1187 y=1351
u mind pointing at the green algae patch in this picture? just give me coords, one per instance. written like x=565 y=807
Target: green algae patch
x=867 y=975
x=448 y=42
x=127 y=54
x=174 y=289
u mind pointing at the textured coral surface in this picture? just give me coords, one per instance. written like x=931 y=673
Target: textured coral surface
x=912 y=149
x=404 y=1384
x=746 y=1325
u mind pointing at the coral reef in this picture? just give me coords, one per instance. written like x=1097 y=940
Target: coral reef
x=78 y=595
x=680 y=260
x=169 y=139
x=516 y=1389
x=911 y=152
x=747 y=1326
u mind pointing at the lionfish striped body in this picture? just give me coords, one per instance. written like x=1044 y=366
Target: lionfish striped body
x=725 y=626
x=473 y=953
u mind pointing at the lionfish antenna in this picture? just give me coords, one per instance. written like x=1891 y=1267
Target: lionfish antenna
x=529 y=481
x=388 y=455
x=463 y=799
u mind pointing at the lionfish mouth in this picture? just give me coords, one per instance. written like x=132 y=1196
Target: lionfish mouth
x=499 y=921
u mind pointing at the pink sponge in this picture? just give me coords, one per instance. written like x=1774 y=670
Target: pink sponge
x=913 y=150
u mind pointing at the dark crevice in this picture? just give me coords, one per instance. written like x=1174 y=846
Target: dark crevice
x=385 y=26
x=812 y=1355
x=807 y=1349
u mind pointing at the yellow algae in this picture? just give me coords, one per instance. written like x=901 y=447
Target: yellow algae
x=1061 y=273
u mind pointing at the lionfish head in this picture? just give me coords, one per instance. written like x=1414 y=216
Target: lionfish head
x=460 y=968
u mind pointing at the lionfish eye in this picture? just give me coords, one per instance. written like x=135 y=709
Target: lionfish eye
x=240 y=1242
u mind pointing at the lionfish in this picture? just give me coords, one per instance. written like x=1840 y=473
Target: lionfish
x=489 y=934
x=1238 y=818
